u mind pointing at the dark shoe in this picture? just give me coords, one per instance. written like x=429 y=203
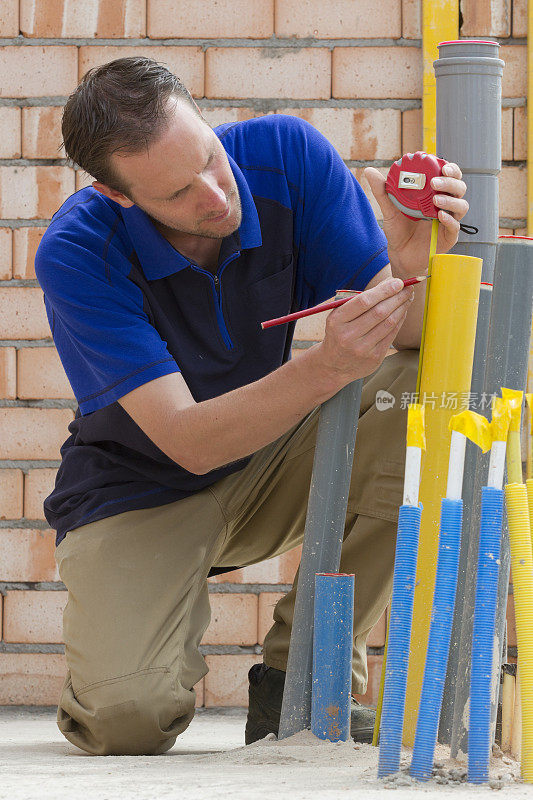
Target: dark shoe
x=265 y=693
x=264 y=707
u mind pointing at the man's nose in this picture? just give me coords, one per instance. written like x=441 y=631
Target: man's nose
x=215 y=196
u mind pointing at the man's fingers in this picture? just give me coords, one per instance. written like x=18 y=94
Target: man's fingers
x=378 y=314
x=449 y=222
x=363 y=337
x=452 y=170
x=363 y=302
x=387 y=327
x=383 y=345
x=453 y=205
x=452 y=186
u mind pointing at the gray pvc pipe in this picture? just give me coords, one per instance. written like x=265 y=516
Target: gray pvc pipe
x=468 y=77
x=321 y=552
x=507 y=362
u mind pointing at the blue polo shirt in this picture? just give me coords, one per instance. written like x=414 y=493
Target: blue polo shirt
x=125 y=307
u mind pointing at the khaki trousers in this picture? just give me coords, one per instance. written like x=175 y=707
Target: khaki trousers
x=138 y=602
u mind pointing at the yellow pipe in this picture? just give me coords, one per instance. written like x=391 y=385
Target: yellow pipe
x=514 y=448
x=513 y=458
x=440 y=23
x=446 y=369
x=529 y=430
x=522 y=571
x=529 y=488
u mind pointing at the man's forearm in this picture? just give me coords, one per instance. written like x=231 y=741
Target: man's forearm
x=204 y=435
x=259 y=413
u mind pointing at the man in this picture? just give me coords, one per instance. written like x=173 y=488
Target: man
x=192 y=447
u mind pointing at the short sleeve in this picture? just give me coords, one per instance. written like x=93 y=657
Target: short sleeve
x=103 y=336
x=341 y=245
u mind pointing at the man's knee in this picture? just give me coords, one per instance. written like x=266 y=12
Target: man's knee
x=137 y=714
x=402 y=384
x=404 y=367
x=392 y=387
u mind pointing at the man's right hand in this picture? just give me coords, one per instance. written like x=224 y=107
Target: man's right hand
x=359 y=333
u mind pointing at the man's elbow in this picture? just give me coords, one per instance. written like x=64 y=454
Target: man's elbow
x=183 y=447
x=201 y=468
x=193 y=463
x=198 y=465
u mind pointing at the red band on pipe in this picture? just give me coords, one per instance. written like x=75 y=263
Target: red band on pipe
x=335 y=574
x=510 y=236
x=469 y=41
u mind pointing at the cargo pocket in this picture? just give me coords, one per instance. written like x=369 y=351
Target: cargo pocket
x=378 y=491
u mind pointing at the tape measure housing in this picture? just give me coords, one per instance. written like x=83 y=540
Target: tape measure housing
x=409 y=184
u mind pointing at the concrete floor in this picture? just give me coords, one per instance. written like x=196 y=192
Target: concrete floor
x=208 y=761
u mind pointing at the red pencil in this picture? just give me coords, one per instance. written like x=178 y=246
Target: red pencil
x=270 y=323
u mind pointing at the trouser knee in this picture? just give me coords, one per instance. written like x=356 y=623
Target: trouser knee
x=392 y=387
x=404 y=370
x=137 y=714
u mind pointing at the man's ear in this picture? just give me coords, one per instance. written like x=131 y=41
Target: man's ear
x=199 y=111
x=118 y=197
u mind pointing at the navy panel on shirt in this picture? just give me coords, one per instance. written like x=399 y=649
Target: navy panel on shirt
x=125 y=307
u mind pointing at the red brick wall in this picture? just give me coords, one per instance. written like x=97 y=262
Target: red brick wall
x=350 y=67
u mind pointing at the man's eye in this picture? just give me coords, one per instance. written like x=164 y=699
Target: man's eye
x=177 y=195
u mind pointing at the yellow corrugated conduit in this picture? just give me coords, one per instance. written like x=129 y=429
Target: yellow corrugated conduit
x=518 y=516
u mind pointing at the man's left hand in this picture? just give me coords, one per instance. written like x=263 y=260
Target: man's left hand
x=408 y=239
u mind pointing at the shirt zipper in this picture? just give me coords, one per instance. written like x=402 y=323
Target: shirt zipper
x=220 y=314
x=215 y=280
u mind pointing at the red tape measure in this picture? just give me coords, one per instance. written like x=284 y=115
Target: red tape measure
x=409 y=184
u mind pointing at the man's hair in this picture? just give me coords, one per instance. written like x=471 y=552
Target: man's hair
x=121 y=105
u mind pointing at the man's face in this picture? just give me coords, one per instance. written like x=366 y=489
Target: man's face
x=184 y=179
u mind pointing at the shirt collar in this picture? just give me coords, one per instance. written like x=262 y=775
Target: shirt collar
x=157 y=256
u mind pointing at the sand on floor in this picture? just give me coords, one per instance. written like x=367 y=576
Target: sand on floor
x=210 y=761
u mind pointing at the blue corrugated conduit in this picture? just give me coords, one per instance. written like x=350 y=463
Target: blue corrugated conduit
x=440 y=631
x=479 y=732
x=401 y=615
